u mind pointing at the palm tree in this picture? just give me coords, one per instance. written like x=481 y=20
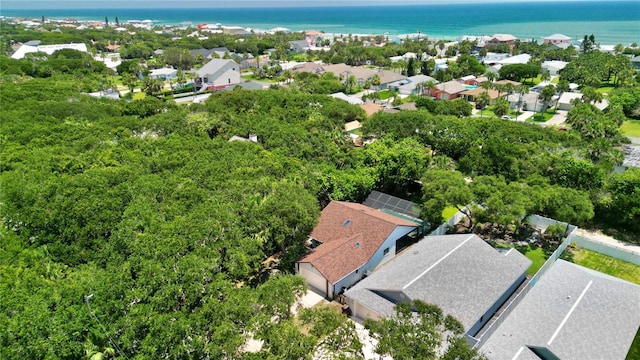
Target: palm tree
x=482 y=101
x=429 y=85
x=375 y=81
x=545 y=95
x=521 y=89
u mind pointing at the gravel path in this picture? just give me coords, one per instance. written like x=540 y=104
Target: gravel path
x=608 y=240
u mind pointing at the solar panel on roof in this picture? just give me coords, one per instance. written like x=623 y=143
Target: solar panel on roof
x=378 y=200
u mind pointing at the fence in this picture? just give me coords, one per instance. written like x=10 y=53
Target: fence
x=442 y=229
x=614 y=252
x=543 y=223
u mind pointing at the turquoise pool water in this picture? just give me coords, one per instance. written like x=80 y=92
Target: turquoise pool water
x=471 y=86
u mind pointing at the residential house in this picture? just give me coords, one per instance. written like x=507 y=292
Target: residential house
x=505 y=82
x=462 y=274
x=47 y=49
x=474 y=81
x=348 y=243
x=472 y=94
x=411 y=85
x=388 y=77
x=553 y=67
x=350 y=99
x=501 y=39
x=571 y=313
x=556 y=39
x=529 y=101
x=299 y=46
x=343 y=71
x=448 y=90
x=218 y=74
x=163 y=73
x=215 y=53
x=564 y=102
x=516 y=59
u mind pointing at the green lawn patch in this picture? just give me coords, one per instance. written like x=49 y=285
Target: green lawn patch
x=608 y=265
x=605 y=89
x=385 y=94
x=537 y=256
x=631 y=128
x=448 y=212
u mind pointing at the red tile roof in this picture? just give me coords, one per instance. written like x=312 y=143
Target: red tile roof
x=350 y=234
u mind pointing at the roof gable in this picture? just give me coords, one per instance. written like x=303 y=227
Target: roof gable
x=350 y=234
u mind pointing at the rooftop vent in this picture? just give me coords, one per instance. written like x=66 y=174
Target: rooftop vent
x=357 y=244
x=346 y=223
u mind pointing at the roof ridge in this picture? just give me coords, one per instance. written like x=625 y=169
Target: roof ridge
x=371 y=212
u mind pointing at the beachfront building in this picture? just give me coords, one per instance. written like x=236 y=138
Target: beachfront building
x=413 y=85
x=218 y=74
x=556 y=39
x=501 y=39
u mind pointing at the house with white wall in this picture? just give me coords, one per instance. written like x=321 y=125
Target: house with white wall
x=348 y=243
x=218 y=74
x=461 y=274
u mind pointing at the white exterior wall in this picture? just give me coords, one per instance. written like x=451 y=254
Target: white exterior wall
x=315 y=280
x=229 y=74
x=378 y=258
x=226 y=77
x=361 y=312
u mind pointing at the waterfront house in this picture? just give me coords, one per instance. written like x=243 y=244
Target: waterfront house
x=556 y=39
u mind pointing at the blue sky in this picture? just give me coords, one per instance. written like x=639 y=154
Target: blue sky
x=99 y=4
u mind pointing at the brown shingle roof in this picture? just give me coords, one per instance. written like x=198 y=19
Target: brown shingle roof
x=350 y=234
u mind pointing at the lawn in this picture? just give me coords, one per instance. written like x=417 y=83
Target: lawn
x=533 y=253
x=631 y=128
x=608 y=265
x=537 y=256
x=385 y=94
x=605 y=89
x=448 y=212
x=546 y=116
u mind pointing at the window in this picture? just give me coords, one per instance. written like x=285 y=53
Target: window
x=357 y=270
x=386 y=251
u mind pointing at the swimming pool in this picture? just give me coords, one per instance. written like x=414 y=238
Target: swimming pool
x=471 y=86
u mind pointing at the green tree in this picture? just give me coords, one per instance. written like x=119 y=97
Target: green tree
x=419 y=336
x=482 y=101
x=501 y=107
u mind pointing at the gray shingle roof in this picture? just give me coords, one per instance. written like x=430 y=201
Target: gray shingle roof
x=461 y=274
x=575 y=312
x=212 y=66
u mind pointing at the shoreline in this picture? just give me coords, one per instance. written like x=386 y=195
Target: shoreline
x=614 y=24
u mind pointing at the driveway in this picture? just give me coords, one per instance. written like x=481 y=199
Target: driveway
x=558 y=118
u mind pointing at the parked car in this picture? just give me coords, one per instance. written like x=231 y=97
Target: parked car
x=506 y=117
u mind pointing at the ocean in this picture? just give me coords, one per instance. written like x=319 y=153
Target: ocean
x=612 y=22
